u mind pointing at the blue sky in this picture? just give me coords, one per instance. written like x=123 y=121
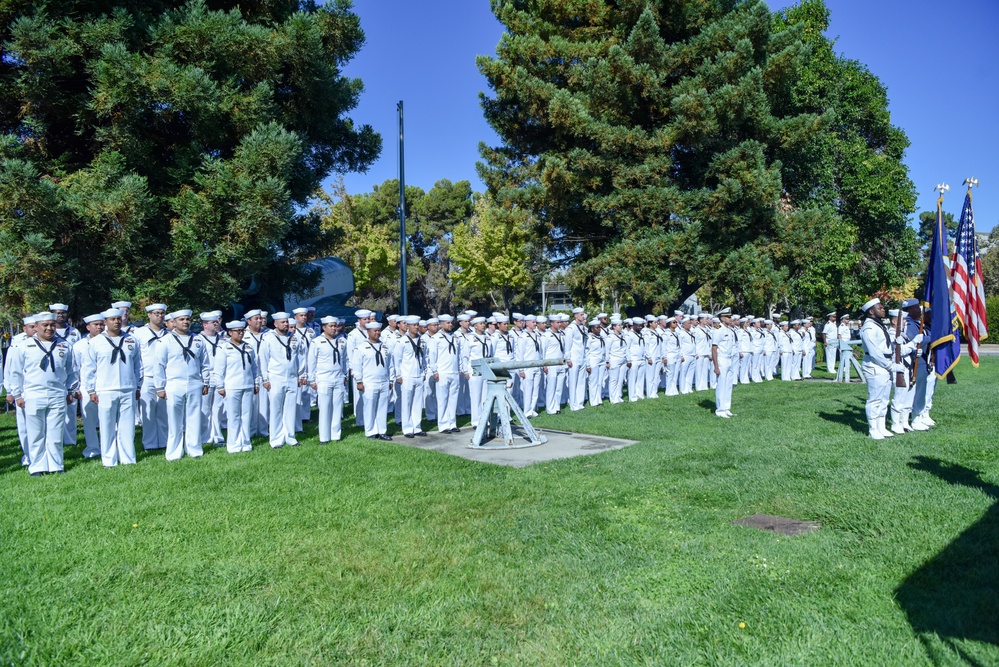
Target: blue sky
x=939 y=65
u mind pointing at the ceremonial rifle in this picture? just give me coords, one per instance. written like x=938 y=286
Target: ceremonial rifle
x=900 y=375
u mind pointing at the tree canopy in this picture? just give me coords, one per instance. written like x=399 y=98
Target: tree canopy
x=167 y=150
x=666 y=145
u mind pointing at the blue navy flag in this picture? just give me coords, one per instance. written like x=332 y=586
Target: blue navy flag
x=944 y=344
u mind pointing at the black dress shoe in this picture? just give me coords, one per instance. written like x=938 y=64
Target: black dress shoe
x=422 y=434
x=36 y=474
x=456 y=430
x=373 y=437
x=408 y=435
x=386 y=438
x=323 y=443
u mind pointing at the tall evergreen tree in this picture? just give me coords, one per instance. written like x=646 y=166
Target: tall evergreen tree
x=165 y=150
x=650 y=140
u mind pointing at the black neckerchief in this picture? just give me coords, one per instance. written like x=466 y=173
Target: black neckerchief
x=116 y=350
x=416 y=347
x=484 y=343
x=450 y=343
x=287 y=348
x=658 y=337
x=379 y=359
x=509 y=343
x=558 y=337
x=258 y=341
x=215 y=345
x=243 y=352
x=187 y=350
x=305 y=337
x=884 y=330
x=582 y=329
x=44 y=363
x=675 y=337
x=620 y=337
x=336 y=350
x=534 y=339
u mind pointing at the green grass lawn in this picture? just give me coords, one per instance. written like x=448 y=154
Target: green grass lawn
x=372 y=553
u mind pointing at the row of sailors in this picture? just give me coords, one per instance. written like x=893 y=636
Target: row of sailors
x=264 y=381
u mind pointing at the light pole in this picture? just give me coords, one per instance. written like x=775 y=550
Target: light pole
x=402 y=216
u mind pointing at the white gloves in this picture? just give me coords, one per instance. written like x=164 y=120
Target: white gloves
x=897 y=368
x=918 y=339
x=900 y=341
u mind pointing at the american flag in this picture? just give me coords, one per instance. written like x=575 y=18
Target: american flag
x=969 y=291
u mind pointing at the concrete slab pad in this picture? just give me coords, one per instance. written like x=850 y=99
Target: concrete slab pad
x=560 y=445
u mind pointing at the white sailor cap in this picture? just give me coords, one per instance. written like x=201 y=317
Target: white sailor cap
x=280 y=316
x=464 y=317
x=735 y=316
x=422 y=323
x=687 y=318
x=477 y=320
x=168 y=317
x=502 y=318
x=626 y=321
x=30 y=319
x=44 y=317
x=446 y=318
x=217 y=312
x=716 y=320
x=263 y=313
x=209 y=317
x=470 y=313
x=311 y=309
x=616 y=320
x=530 y=318
x=433 y=320
x=793 y=322
x=391 y=318
x=758 y=319
x=373 y=325
x=112 y=312
x=594 y=322
x=807 y=319
x=678 y=312
x=601 y=315
x=870 y=304
x=785 y=323
x=499 y=316
x=58 y=306
x=235 y=324
x=329 y=319
x=768 y=321
x=663 y=318
x=156 y=306
x=576 y=311
x=909 y=303
x=252 y=313
x=93 y=318
x=724 y=311
x=300 y=311
x=491 y=319
x=650 y=318
x=518 y=316
x=542 y=319
x=185 y=312
x=893 y=312
x=363 y=312
x=832 y=314
x=561 y=317
x=121 y=304
x=846 y=316
x=412 y=319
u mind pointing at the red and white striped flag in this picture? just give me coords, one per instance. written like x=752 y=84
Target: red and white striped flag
x=969 y=290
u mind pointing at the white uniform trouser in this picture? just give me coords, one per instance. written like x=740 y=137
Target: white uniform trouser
x=211 y=417
x=283 y=412
x=736 y=362
x=878 y=390
x=808 y=363
x=358 y=404
x=447 y=401
x=330 y=401
x=553 y=388
x=376 y=400
x=45 y=424
x=577 y=384
x=746 y=368
x=69 y=427
x=595 y=383
x=183 y=404
x=430 y=397
x=702 y=372
x=154 y=417
x=785 y=366
x=90 y=423
x=530 y=384
x=636 y=380
x=476 y=395
x=239 y=420
x=796 y=365
x=116 y=413
x=616 y=375
x=723 y=389
x=411 y=404
x=396 y=402
x=304 y=406
x=22 y=434
x=464 y=405
x=262 y=408
x=830 y=357
x=758 y=362
x=672 y=376
x=926 y=384
x=652 y=374
x=775 y=358
x=687 y=374
x=901 y=402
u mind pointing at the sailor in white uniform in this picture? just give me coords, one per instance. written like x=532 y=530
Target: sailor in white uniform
x=576 y=340
x=374 y=380
x=429 y=384
x=28 y=330
x=152 y=408
x=596 y=362
x=283 y=369
x=181 y=376
x=830 y=341
x=328 y=376
x=88 y=409
x=702 y=352
x=878 y=367
x=254 y=337
x=211 y=403
x=529 y=349
x=445 y=361
x=356 y=337
x=237 y=378
x=410 y=359
x=112 y=377
x=618 y=360
x=671 y=347
x=723 y=351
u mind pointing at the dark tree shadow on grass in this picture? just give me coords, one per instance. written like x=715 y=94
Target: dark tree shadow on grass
x=953 y=596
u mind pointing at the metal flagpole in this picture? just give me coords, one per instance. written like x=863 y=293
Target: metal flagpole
x=403 y=309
